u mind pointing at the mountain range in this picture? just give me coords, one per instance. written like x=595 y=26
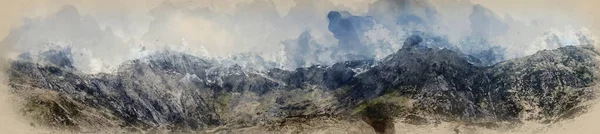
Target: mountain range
x=178 y=92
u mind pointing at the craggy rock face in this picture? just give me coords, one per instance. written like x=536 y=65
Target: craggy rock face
x=419 y=84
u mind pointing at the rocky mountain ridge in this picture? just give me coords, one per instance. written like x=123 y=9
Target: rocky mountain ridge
x=183 y=93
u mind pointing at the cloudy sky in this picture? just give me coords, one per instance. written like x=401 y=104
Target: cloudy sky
x=226 y=27
x=14 y=10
